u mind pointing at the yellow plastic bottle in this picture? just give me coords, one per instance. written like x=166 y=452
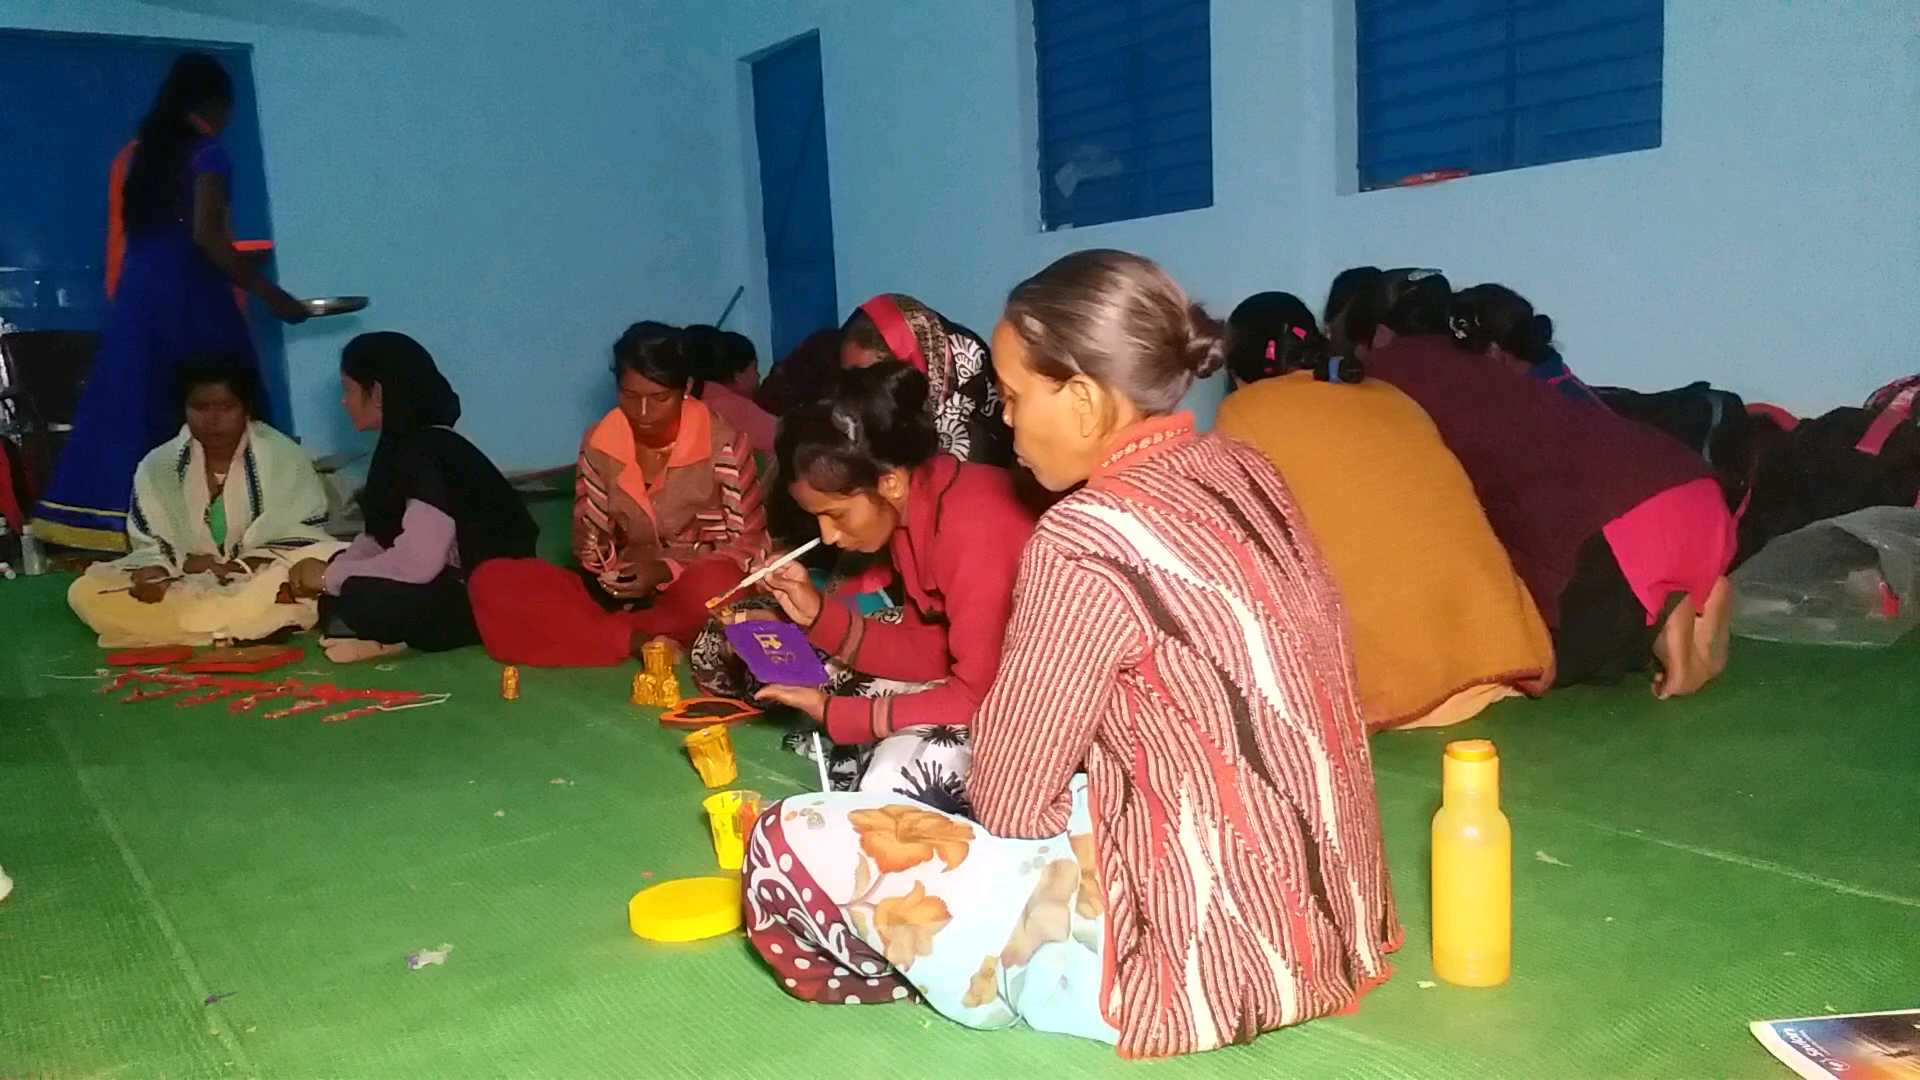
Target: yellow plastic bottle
x=1472 y=870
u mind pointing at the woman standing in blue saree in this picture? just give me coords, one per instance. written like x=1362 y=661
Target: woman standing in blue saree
x=174 y=300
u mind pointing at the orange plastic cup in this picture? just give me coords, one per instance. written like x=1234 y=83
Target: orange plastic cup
x=711 y=750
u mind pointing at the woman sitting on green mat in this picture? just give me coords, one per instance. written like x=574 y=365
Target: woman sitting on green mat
x=1176 y=842
x=866 y=463
x=219 y=514
x=436 y=509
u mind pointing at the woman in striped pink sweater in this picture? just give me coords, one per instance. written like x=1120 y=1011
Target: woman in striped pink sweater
x=1178 y=845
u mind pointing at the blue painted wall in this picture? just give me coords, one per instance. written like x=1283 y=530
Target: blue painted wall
x=512 y=183
x=1771 y=243
x=515 y=182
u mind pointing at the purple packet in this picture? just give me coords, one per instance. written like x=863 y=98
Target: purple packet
x=777 y=653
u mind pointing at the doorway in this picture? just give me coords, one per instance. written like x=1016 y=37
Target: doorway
x=796 y=202
x=73 y=100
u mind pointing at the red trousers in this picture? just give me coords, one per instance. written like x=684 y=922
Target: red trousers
x=532 y=612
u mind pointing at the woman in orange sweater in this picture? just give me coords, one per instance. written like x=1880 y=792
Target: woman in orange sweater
x=1178 y=845
x=666 y=513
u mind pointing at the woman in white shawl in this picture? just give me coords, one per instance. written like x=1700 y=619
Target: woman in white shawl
x=219 y=514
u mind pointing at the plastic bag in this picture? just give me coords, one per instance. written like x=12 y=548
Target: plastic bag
x=1848 y=580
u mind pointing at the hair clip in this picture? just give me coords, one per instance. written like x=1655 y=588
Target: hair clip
x=1300 y=332
x=846 y=425
x=1272 y=349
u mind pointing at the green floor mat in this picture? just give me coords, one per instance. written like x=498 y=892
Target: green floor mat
x=1680 y=869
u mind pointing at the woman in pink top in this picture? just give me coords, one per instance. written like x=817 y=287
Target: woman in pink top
x=726 y=372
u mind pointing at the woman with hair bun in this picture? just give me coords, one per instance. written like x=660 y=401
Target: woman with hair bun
x=1407 y=301
x=1497 y=321
x=1442 y=626
x=866 y=464
x=1177 y=844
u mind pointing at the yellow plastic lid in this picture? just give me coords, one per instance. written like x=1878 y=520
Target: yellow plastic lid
x=1472 y=750
x=687 y=909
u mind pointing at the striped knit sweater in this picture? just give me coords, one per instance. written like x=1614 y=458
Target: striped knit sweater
x=707 y=503
x=1176 y=634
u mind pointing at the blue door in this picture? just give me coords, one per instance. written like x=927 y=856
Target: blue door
x=71 y=102
x=796 y=207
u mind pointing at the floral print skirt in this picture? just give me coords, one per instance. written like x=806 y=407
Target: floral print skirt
x=864 y=897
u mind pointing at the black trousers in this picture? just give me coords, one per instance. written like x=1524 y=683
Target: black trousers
x=1603 y=632
x=433 y=617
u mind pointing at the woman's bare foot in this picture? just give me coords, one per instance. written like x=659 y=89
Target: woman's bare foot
x=354 y=650
x=1713 y=634
x=1682 y=669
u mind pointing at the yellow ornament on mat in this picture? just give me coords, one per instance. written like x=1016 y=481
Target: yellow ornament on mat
x=712 y=754
x=658 y=656
x=510 y=683
x=645 y=689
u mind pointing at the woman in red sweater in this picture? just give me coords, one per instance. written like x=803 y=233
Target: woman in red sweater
x=1178 y=845
x=1621 y=533
x=866 y=464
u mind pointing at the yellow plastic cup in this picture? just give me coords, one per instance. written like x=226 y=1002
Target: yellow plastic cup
x=731 y=814
x=712 y=753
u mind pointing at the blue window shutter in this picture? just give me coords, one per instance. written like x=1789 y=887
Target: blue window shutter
x=1126 y=108
x=1487 y=85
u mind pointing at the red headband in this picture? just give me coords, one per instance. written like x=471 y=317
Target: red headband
x=894 y=330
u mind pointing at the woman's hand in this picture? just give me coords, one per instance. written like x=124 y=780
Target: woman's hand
x=198 y=564
x=636 y=582
x=806 y=699
x=285 y=308
x=307 y=579
x=150 y=584
x=225 y=572
x=792 y=585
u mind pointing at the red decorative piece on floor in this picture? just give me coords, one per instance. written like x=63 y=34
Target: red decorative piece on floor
x=202 y=689
x=150 y=657
x=242 y=660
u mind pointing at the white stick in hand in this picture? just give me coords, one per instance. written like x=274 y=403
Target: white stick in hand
x=760 y=575
x=820 y=759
